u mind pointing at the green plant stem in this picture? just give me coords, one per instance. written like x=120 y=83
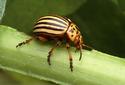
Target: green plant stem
x=95 y=68
x=24 y=80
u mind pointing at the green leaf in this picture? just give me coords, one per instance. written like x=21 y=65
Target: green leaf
x=95 y=68
x=115 y=1
x=22 y=14
x=2 y=8
x=121 y=5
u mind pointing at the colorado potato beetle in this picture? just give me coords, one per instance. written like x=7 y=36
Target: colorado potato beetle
x=58 y=28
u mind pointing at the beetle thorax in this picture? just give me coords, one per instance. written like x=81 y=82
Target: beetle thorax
x=74 y=34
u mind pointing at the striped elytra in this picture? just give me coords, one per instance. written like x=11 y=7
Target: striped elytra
x=51 y=26
x=57 y=28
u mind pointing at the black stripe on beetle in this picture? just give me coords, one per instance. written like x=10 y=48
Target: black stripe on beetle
x=50 y=23
x=57 y=20
x=50 y=28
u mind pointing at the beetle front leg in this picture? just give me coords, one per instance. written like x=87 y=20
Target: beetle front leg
x=24 y=42
x=70 y=56
x=51 y=51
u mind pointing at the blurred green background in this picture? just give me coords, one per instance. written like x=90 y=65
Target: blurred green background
x=102 y=23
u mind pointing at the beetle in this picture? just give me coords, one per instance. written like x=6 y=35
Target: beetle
x=58 y=29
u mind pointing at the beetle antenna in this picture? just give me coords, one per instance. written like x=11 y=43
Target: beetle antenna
x=87 y=47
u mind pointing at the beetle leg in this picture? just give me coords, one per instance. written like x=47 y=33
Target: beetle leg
x=80 y=53
x=70 y=57
x=25 y=42
x=58 y=43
